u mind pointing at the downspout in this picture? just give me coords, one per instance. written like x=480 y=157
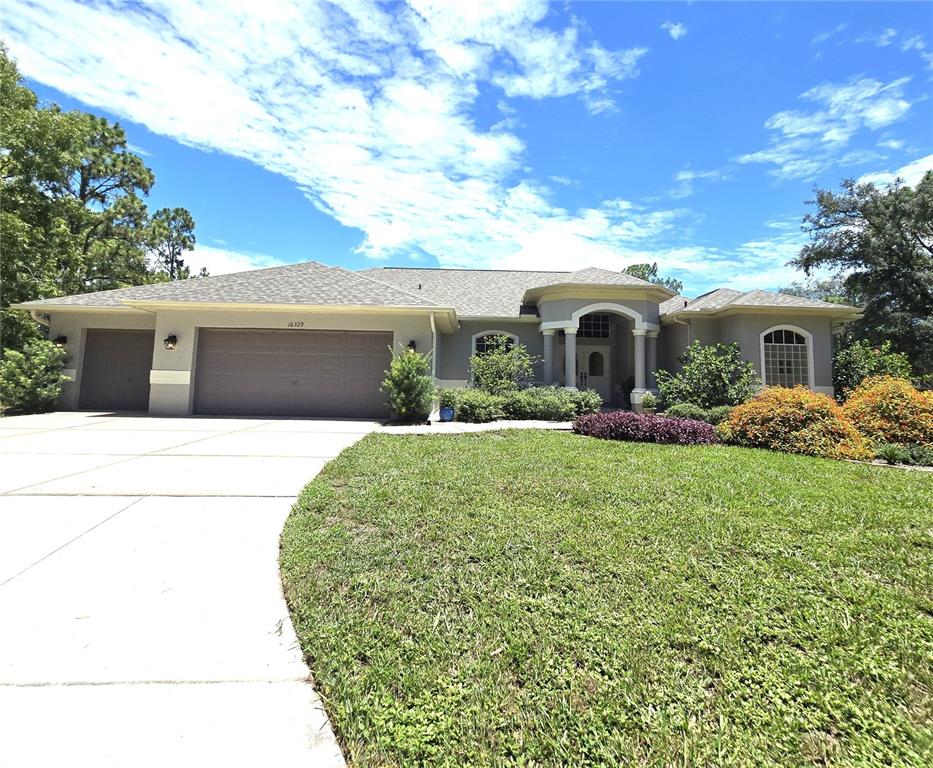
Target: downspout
x=689 y=328
x=433 y=349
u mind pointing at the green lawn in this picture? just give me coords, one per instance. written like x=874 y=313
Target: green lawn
x=541 y=598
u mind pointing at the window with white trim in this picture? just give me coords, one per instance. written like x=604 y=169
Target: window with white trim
x=786 y=358
x=487 y=341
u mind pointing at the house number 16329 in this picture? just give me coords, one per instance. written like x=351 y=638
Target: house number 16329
x=296 y=324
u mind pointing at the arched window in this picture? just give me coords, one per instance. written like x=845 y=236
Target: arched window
x=786 y=357
x=483 y=342
x=596 y=364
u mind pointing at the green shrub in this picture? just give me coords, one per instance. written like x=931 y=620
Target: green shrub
x=718 y=414
x=409 y=387
x=712 y=375
x=860 y=360
x=649 y=401
x=687 y=411
x=550 y=403
x=712 y=416
x=31 y=380
x=535 y=403
x=473 y=405
x=919 y=455
x=586 y=401
x=503 y=367
x=892 y=453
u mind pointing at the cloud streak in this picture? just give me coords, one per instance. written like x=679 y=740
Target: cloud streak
x=805 y=143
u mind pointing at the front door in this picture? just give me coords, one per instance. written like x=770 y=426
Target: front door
x=593 y=368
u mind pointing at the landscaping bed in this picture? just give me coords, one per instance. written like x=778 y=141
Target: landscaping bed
x=541 y=598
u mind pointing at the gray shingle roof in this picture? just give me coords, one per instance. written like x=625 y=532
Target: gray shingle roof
x=723 y=298
x=491 y=292
x=309 y=283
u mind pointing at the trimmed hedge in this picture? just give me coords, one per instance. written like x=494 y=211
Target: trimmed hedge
x=535 y=403
x=645 y=428
x=796 y=421
x=887 y=409
x=712 y=416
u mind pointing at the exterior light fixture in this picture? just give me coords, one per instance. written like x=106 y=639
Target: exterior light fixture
x=171 y=341
x=61 y=340
x=412 y=345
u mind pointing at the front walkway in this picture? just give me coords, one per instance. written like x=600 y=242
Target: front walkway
x=141 y=615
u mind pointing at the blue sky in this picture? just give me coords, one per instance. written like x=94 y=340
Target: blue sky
x=514 y=134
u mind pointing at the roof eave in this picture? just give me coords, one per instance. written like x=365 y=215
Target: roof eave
x=650 y=290
x=840 y=312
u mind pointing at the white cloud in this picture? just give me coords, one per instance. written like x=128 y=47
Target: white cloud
x=918 y=43
x=892 y=143
x=803 y=144
x=367 y=110
x=675 y=29
x=686 y=177
x=222 y=261
x=910 y=174
x=880 y=39
x=824 y=36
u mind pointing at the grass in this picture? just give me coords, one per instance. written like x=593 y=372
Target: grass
x=540 y=598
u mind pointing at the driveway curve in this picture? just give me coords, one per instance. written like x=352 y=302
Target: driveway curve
x=141 y=615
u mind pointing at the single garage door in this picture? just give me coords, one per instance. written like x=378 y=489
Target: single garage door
x=291 y=373
x=115 y=376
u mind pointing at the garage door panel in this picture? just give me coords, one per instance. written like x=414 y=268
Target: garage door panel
x=115 y=374
x=291 y=373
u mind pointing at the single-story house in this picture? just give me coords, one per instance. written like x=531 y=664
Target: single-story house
x=313 y=340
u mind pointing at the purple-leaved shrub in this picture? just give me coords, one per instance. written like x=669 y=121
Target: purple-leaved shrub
x=645 y=428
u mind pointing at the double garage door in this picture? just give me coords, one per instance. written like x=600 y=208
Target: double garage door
x=291 y=373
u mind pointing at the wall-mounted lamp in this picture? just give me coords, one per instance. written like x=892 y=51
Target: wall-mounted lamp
x=413 y=345
x=61 y=340
x=170 y=342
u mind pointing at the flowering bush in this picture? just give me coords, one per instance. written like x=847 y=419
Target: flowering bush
x=645 y=428
x=795 y=420
x=888 y=409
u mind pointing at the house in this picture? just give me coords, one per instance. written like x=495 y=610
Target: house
x=312 y=340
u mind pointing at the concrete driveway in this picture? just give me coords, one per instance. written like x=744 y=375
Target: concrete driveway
x=141 y=615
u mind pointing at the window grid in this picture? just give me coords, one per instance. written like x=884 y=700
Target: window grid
x=594 y=326
x=485 y=343
x=786 y=360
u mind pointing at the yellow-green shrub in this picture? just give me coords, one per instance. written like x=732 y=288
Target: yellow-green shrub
x=888 y=409
x=794 y=420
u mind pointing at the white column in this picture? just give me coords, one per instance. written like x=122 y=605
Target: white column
x=640 y=379
x=570 y=358
x=548 y=356
x=651 y=358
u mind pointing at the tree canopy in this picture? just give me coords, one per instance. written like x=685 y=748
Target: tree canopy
x=880 y=244
x=72 y=214
x=649 y=272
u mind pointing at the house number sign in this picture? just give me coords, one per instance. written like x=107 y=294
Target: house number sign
x=296 y=324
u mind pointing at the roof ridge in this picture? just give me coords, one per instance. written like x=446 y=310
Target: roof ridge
x=358 y=274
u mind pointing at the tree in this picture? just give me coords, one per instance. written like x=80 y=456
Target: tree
x=860 y=360
x=649 y=272
x=881 y=242
x=831 y=289
x=171 y=234
x=712 y=375
x=72 y=215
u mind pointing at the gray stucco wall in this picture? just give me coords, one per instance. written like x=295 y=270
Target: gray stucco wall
x=562 y=309
x=454 y=349
x=746 y=329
